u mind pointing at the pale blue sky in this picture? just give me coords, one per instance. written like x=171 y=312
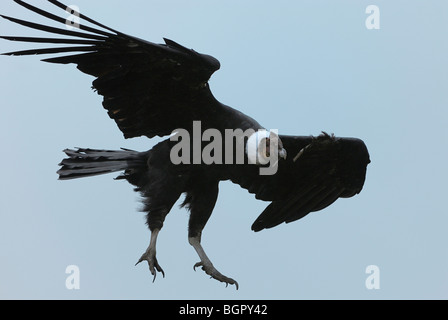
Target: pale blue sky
x=297 y=66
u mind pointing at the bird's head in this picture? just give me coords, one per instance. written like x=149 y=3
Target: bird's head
x=264 y=146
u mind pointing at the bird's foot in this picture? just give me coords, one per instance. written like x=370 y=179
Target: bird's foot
x=154 y=266
x=215 y=274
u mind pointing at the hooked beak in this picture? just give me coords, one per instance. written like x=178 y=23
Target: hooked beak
x=282 y=153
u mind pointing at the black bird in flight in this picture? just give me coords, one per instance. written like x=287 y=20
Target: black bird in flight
x=162 y=89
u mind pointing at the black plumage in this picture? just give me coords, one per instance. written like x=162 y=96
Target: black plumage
x=154 y=89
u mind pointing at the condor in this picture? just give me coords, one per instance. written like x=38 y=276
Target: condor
x=153 y=90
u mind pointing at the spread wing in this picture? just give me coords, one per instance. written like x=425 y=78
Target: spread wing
x=316 y=173
x=149 y=89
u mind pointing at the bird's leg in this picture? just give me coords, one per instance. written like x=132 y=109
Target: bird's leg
x=206 y=264
x=150 y=255
x=201 y=202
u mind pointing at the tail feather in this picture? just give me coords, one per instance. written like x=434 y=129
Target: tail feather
x=91 y=162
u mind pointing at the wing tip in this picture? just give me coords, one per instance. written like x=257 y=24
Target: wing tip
x=260 y=225
x=6 y=17
x=256 y=227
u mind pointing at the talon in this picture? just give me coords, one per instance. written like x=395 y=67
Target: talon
x=159 y=268
x=207 y=265
x=161 y=271
x=139 y=260
x=198 y=264
x=154 y=266
x=215 y=274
